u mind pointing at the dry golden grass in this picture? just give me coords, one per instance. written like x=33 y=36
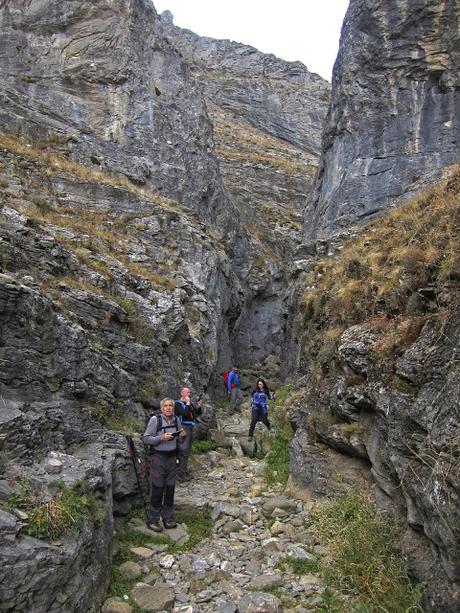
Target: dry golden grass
x=391 y=258
x=379 y=270
x=59 y=163
x=289 y=167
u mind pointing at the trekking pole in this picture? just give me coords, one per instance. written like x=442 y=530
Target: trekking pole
x=136 y=463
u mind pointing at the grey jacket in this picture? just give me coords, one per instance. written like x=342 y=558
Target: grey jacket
x=152 y=435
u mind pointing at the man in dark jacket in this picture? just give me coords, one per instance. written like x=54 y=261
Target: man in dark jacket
x=161 y=438
x=187 y=413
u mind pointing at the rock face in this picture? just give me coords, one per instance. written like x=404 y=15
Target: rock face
x=393 y=124
x=102 y=80
x=407 y=430
x=125 y=258
x=267 y=116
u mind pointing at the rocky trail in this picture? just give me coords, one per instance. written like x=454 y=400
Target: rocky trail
x=258 y=557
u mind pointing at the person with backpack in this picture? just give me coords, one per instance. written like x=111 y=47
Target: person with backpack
x=161 y=438
x=234 y=391
x=259 y=407
x=187 y=413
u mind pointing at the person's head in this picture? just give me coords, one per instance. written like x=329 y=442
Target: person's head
x=167 y=407
x=185 y=392
x=235 y=369
x=261 y=385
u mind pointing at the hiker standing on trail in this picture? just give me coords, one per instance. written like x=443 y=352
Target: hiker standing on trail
x=234 y=391
x=259 y=408
x=161 y=437
x=187 y=413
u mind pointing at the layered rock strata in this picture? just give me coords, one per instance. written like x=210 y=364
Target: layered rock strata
x=393 y=124
x=267 y=116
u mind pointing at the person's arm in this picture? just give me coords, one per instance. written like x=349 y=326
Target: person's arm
x=179 y=409
x=151 y=437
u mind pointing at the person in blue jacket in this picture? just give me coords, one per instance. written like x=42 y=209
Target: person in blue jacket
x=259 y=407
x=234 y=391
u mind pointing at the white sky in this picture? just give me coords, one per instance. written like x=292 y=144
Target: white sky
x=305 y=30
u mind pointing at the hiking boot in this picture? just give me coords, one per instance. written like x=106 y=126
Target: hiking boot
x=169 y=523
x=155 y=526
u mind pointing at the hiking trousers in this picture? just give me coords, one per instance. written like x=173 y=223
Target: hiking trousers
x=236 y=398
x=258 y=414
x=163 y=475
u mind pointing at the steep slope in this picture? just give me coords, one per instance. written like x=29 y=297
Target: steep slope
x=394 y=119
x=101 y=79
x=379 y=334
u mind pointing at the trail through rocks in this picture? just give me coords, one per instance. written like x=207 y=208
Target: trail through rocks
x=246 y=566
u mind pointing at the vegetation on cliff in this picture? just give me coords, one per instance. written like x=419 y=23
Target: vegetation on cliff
x=392 y=274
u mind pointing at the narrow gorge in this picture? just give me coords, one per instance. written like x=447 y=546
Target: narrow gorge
x=171 y=205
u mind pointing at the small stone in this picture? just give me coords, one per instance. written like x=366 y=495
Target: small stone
x=150 y=578
x=130 y=570
x=259 y=601
x=142 y=552
x=178 y=535
x=153 y=597
x=116 y=605
x=167 y=561
x=263 y=582
x=5 y=490
x=53 y=466
x=277 y=528
x=22 y=515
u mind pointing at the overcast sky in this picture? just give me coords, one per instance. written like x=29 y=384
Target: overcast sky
x=305 y=30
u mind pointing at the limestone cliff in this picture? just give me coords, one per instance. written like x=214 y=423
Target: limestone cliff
x=125 y=259
x=393 y=123
x=267 y=116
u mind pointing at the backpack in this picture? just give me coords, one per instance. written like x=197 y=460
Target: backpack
x=226 y=373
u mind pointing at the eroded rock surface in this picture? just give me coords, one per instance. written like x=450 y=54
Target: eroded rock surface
x=393 y=124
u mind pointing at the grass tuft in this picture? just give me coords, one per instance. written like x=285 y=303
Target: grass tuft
x=365 y=564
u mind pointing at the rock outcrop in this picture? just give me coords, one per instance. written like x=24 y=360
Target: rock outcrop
x=393 y=124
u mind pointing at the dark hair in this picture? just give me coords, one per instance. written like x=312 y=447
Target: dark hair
x=266 y=390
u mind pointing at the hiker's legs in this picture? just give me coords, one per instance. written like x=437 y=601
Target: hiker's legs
x=185 y=449
x=236 y=398
x=254 y=420
x=167 y=510
x=264 y=420
x=156 y=482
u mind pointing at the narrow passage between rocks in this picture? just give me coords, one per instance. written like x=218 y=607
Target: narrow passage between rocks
x=258 y=556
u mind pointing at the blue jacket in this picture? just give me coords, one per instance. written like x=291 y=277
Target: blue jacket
x=259 y=400
x=234 y=379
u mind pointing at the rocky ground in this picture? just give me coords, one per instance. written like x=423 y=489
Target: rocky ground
x=259 y=557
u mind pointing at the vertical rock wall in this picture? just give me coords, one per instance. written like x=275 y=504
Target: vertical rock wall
x=394 y=120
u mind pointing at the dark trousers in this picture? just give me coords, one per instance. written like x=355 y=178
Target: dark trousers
x=185 y=450
x=163 y=474
x=258 y=414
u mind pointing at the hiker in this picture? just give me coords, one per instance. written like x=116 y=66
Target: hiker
x=187 y=413
x=259 y=408
x=162 y=439
x=234 y=391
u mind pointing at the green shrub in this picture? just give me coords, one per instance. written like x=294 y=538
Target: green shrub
x=277 y=459
x=202 y=446
x=365 y=564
